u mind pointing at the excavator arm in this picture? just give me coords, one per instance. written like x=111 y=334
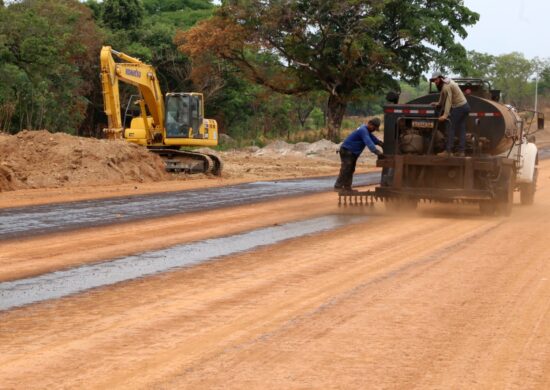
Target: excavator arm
x=144 y=78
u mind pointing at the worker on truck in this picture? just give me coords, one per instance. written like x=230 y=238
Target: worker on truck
x=452 y=102
x=351 y=149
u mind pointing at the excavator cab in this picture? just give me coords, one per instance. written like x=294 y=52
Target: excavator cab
x=184 y=115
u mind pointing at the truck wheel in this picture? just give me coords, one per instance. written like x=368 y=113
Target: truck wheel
x=505 y=208
x=527 y=190
x=504 y=200
x=487 y=207
x=505 y=204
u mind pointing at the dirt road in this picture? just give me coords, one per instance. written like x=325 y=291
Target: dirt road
x=440 y=299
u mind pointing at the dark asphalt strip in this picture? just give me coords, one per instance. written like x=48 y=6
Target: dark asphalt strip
x=59 y=284
x=29 y=221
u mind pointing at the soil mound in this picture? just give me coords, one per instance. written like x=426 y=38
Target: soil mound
x=322 y=148
x=40 y=159
x=278 y=146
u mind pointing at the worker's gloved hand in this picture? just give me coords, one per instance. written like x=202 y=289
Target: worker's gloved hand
x=381 y=144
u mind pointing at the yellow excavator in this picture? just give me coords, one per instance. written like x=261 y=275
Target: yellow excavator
x=166 y=122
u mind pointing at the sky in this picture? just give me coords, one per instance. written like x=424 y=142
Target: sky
x=505 y=26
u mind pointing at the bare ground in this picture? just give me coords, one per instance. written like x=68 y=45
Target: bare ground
x=442 y=299
x=39 y=159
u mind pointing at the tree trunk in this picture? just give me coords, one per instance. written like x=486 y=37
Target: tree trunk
x=336 y=110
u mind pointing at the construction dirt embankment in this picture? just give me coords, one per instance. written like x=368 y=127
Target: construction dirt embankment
x=39 y=159
x=41 y=167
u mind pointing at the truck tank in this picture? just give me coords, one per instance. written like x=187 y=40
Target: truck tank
x=496 y=125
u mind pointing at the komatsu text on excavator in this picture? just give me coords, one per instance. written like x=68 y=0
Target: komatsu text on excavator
x=166 y=123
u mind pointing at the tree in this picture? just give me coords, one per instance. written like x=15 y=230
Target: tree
x=48 y=57
x=96 y=7
x=122 y=14
x=544 y=81
x=159 y=6
x=480 y=65
x=512 y=73
x=410 y=92
x=338 y=46
x=541 y=69
x=303 y=105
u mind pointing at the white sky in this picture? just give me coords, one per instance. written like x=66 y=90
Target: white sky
x=510 y=25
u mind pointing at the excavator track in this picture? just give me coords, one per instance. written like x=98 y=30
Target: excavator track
x=188 y=161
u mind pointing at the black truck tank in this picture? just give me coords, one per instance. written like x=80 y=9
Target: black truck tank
x=495 y=123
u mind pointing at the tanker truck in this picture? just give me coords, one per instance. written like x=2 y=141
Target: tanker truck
x=501 y=157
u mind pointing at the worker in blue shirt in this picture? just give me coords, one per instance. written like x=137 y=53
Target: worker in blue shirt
x=351 y=149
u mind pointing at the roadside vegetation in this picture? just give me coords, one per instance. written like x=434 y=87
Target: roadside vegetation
x=264 y=74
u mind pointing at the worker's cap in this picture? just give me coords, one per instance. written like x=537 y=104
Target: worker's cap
x=375 y=122
x=436 y=75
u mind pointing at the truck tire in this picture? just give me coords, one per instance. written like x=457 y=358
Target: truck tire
x=527 y=191
x=506 y=202
x=505 y=208
x=487 y=207
x=503 y=202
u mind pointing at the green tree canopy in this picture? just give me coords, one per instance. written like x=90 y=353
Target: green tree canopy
x=157 y=6
x=544 y=81
x=337 y=46
x=511 y=73
x=122 y=14
x=48 y=61
x=480 y=65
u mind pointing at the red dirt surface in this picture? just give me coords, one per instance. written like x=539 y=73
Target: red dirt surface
x=440 y=299
x=39 y=159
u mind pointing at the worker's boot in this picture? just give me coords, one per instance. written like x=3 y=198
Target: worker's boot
x=444 y=154
x=459 y=154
